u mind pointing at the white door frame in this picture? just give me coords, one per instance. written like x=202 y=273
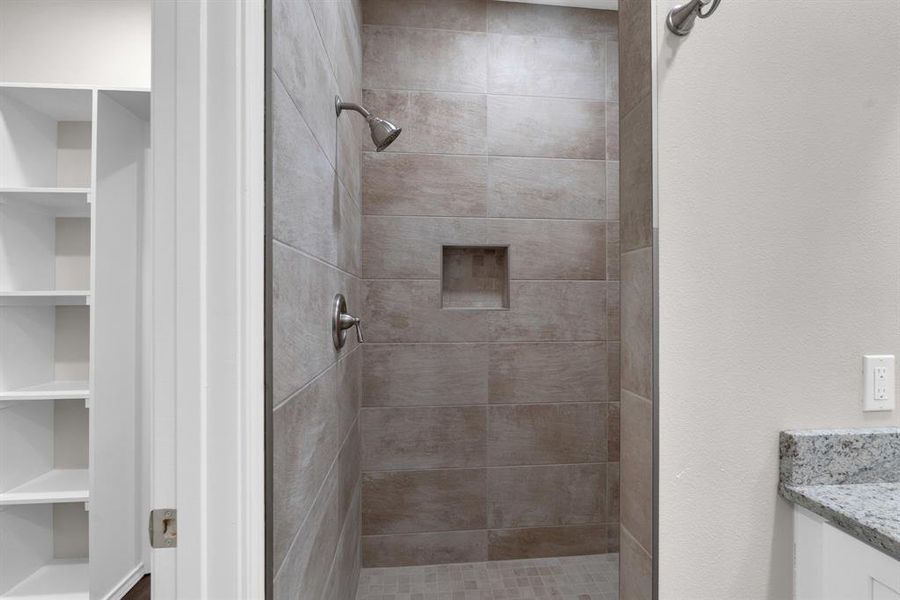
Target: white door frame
x=207 y=248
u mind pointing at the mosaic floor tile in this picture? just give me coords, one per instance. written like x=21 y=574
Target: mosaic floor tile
x=593 y=577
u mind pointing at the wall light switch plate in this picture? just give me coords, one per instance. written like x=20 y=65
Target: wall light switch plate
x=878 y=382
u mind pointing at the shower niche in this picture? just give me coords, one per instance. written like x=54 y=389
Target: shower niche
x=475 y=277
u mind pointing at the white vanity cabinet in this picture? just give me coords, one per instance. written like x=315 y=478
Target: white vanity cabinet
x=830 y=564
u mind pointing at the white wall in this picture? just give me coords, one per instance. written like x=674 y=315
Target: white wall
x=92 y=42
x=779 y=266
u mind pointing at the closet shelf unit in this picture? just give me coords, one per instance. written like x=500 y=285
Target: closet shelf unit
x=72 y=185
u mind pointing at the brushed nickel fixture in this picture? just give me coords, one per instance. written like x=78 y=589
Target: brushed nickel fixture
x=383 y=131
x=681 y=18
x=342 y=321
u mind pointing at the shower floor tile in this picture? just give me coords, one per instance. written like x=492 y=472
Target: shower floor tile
x=593 y=577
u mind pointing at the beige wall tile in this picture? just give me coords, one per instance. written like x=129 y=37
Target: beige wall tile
x=547 y=372
x=411 y=247
x=302 y=346
x=546 y=495
x=612 y=251
x=342 y=582
x=425 y=374
x=540 y=542
x=400 y=58
x=424 y=548
x=635 y=569
x=421 y=501
x=351 y=133
x=637 y=467
x=612 y=131
x=635 y=49
x=433 y=122
x=304 y=444
x=636 y=178
x=348 y=389
x=340 y=34
x=612 y=537
x=410 y=311
x=614 y=370
x=423 y=438
x=612 y=493
x=547 y=249
x=502 y=159
x=300 y=61
x=637 y=322
x=548 y=127
x=459 y=15
x=613 y=431
x=547 y=66
x=349 y=466
x=545 y=188
x=424 y=184
x=552 y=311
x=535 y=434
x=311 y=211
x=612 y=70
x=558 y=21
x=613 y=309
x=304 y=572
x=612 y=190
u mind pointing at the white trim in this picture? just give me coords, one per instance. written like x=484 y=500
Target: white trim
x=208 y=114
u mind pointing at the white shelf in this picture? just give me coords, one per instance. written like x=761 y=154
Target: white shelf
x=70 y=202
x=45 y=298
x=52 y=390
x=59 y=580
x=60 y=103
x=53 y=487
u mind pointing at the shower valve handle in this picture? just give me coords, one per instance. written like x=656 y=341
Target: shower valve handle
x=342 y=321
x=348 y=321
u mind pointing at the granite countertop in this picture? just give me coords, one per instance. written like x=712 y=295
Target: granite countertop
x=851 y=477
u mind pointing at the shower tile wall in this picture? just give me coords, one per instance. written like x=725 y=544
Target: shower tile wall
x=490 y=434
x=636 y=560
x=317 y=226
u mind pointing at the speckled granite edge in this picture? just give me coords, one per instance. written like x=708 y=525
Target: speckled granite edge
x=839 y=456
x=868 y=512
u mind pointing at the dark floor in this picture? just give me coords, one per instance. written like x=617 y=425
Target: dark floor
x=140 y=591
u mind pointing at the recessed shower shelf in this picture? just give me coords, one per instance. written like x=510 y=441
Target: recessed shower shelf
x=475 y=278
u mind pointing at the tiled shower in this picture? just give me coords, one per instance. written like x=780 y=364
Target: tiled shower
x=479 y=422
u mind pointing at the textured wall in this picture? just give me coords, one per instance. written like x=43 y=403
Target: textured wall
x=779 y=267
x=316 y=253
x=491 y=434
x=636 y=207
x=77 y=41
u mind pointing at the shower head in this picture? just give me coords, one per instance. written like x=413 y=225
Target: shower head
x=383 y=131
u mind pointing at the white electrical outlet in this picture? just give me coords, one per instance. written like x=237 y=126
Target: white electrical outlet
x=878 y=378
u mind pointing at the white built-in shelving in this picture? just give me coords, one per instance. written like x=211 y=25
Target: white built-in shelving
x=59 y=579
x=56 y=485
x=51 y=390
x=72 y=184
